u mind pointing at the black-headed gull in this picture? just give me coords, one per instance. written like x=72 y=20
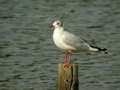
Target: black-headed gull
x=69 y=42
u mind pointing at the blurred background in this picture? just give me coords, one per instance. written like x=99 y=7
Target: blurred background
x=28 y=57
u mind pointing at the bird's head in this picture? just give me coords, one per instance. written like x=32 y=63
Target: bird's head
x=56 y=24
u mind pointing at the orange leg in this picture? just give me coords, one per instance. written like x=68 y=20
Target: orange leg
x=70 y=54
x=67 y=64
x=65 y=57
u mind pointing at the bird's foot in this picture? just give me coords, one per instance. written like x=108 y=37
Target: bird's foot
x=66 y=64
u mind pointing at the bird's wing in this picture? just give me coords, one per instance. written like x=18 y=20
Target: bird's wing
x=72 y=40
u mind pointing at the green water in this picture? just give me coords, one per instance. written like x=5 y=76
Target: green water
x=28 y=57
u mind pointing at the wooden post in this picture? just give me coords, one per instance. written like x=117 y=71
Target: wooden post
x=68 y=77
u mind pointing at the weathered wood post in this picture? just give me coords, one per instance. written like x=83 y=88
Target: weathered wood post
x=68 y=77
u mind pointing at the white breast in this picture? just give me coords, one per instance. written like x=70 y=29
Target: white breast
x=58 y=40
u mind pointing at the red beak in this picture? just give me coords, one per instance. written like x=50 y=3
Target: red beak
x=51 y=26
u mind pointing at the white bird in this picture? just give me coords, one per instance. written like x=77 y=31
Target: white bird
x=69 y=42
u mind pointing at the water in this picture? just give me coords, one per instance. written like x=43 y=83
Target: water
x=28 y=57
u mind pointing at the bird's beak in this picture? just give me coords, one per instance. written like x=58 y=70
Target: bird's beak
x=51 y=26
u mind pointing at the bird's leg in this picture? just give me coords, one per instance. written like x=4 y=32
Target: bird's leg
x=67 y=64
x=65 y=60
x=65 y=57
x=70 y=54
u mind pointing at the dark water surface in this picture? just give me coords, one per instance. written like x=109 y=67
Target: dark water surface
x=28 y=57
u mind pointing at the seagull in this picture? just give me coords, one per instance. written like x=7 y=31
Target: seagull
x=70 y=42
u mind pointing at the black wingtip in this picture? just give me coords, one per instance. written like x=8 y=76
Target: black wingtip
x=104 y=50
x=101 y=49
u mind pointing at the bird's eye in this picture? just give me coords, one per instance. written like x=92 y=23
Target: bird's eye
x=58 y=23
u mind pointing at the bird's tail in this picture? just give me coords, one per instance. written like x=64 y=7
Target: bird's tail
x=94 y=48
